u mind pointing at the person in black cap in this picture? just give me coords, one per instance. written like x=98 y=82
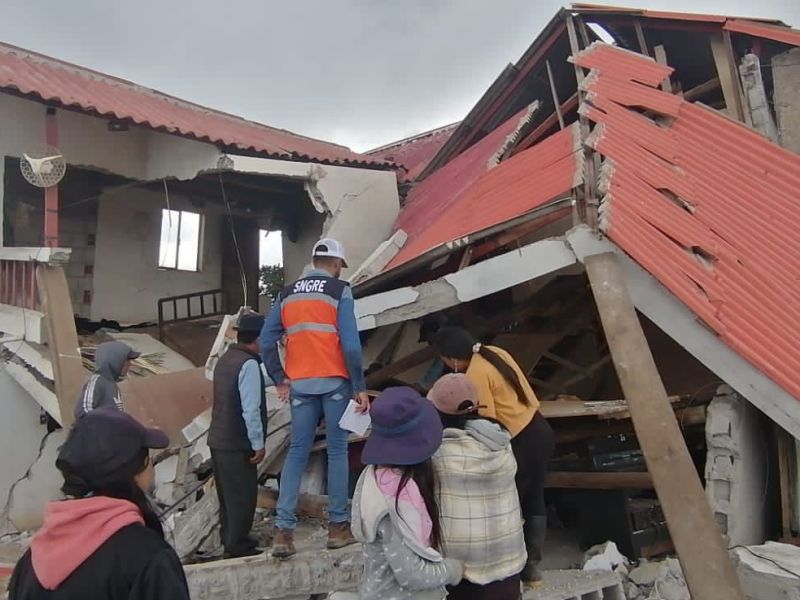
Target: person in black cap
x=112 y=360
x=237 y=434
x=105 y=541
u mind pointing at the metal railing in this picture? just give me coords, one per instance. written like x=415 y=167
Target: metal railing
x=18 y=285
x=190 y=307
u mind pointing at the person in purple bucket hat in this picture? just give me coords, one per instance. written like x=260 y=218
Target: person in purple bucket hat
x=395 y=514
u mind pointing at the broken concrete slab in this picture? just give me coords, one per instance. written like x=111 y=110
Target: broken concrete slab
x=769 y=572
x=261 y=577
x=604 y=557
x=577 y=585
x=473 y=282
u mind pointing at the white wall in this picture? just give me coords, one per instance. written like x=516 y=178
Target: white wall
x=359 y=206
x=20 y=431
x=127 y=280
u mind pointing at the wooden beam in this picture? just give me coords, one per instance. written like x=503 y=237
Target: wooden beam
x=728 y=76
x=784 y=444
x=702 y=89
x=401 y=366
x=637 y=24
x=547 y=124
x=62 y=339
x=599 y=481
x=554 y=92
x=661 y=57
x=701 y=549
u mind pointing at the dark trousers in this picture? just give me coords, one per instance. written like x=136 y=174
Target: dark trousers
x=507 y=589
x=237 y=490
x=533 y=447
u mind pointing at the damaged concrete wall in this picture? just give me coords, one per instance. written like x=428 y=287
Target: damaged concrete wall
x=41 y=484
x=359 y=207
x=20 y=431
x=786 y=78
x=127 y=280
x=736 y=467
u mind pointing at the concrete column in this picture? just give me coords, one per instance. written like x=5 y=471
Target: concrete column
x=786 y=77
x=736 y=467
x=756 y=97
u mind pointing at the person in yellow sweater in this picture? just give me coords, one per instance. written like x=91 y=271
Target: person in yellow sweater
x=505 y=395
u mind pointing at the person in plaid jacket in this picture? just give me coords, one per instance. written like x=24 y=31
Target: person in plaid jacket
x=479 y=507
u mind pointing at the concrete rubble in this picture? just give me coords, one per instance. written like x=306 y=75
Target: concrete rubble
x=770 y=571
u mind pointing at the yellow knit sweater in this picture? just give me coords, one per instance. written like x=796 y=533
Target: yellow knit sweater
x=496 y=394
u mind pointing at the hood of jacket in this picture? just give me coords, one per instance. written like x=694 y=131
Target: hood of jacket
x=73 y=530
x=109 y=359
x=370 y=507
x=490 y=434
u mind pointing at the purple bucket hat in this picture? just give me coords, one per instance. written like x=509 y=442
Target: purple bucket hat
x=406 y=429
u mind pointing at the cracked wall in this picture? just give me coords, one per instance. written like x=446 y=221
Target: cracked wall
x=20 y=430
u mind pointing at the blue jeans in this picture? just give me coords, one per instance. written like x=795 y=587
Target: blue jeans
x=306 y=413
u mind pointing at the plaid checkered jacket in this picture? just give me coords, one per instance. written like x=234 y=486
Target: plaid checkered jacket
x=478 y=502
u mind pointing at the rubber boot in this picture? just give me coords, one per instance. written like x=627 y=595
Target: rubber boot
x=535 y=529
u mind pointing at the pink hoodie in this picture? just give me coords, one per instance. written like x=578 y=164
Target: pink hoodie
x=72 y=531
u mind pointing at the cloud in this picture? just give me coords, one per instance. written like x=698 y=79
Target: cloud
x=357 y=72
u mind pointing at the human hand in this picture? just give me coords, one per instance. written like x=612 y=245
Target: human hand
x=283 y=390
x=363 y=402
x=258 y=456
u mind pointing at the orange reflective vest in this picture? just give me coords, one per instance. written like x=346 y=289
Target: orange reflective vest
x=309 y=310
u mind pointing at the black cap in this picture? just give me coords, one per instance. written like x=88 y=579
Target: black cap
x=103 y=443
x=251 y=322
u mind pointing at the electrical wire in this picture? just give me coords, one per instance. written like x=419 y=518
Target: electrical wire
x=235 y=240
x=766 y=558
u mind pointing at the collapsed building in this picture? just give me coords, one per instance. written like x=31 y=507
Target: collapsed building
x=615 y=211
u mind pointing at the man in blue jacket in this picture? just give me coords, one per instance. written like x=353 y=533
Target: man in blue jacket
x=322 y=372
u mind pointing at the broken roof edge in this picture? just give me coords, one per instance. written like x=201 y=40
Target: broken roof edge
x=412 y=138
x=426 y=258
x=590 y=9
x=675 y=319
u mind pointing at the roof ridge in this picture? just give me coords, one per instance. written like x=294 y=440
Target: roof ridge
x=412 y=138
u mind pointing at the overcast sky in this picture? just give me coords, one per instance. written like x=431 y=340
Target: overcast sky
x=358 y=72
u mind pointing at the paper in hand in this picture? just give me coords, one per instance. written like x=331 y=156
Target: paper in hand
x=354 y=421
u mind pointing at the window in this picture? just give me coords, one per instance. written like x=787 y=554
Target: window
x=181 y=232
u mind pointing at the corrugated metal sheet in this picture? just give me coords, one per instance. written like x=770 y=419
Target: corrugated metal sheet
x=71 y=86
x=588 y=9
x=787 y=35
x=708 y=207
x=415 y=152
x=466 y=197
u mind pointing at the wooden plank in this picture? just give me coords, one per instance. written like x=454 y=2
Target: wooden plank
x=68 y=371
x=783 y=441
x=599 y=480
x=554 y=92
x=637 y=24
x=661 y=57
x=728 y=77
x=701 y=549
x=702 y=89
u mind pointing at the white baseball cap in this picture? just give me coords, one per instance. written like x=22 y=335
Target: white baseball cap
x=329 y=247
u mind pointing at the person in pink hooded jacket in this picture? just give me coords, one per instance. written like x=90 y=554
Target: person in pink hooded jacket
x=104 y=542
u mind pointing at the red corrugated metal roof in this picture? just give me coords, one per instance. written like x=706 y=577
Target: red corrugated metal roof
x=415 y=152
x=787 y=35
x=660 y=14
x=462 y=198
x=60 y=83
x=707 y=206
